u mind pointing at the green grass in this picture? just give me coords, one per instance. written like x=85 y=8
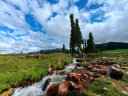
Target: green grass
x=97 y=88
x=16 y=71
x=117 y=51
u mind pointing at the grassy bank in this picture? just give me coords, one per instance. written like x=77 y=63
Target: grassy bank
x=17 y=70
x=97 y=88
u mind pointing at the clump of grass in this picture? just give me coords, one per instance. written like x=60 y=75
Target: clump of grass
x=84 y=64
x=16 y=71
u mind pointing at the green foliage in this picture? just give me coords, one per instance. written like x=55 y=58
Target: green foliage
x=97 y=88
x=84 y=64
x=72 y=36
x=63 y=48
x=90 y=44
x=78 y=35
x=16 y=71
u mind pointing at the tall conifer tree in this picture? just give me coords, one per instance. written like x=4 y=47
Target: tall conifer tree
x=72 y=36
x=90 y=43
x=78 y=36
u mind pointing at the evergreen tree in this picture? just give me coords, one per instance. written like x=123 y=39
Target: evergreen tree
x=78 y=36
x=85 y=46
x=63 y=48
x=90 y=43
x=72 y=36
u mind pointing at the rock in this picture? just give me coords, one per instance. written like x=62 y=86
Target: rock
x=101 y=80
x=80 y=60
x=89 y=73
x=78 y=64
x=74 y=77
x=85 y=76
x=96 y=75
x=116 y=73
x=125 y=75
x=103 y=71
x=105 y=89
x=63 y=67
x=52 y=91
x=95 y=70
x=75 y=92
x=73 y=85
x=50 y=70
x=117 y=66
x=8 y=93
x=46 y=84
x=100 y=66
x=63 y=88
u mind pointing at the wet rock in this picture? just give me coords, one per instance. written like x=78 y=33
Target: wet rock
x=75 y=92
x=105 y=89
x=63 y=88
x=125 y=75
x=73 y=85
x=78 y=65
x=52 y=91
x=74 y=77
x=46 y=84
x=63 y=67
x=8 y=93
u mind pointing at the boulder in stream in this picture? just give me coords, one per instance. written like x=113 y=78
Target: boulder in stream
x=46 y=84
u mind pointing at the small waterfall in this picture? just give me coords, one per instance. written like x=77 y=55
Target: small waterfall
x=36 y=89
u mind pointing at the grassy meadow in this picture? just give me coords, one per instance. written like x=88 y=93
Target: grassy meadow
x=117 y=51
x=17 y=70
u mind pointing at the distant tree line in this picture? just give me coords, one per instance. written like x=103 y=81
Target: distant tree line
x=111 y=46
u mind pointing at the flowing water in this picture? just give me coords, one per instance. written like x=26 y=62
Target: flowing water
x=36 y=89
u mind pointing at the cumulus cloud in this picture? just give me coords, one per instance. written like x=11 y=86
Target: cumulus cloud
x=107 y=22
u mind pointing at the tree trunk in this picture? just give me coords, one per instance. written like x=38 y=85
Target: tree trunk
x=79 y=51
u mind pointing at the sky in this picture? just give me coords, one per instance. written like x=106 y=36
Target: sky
x=33 y=25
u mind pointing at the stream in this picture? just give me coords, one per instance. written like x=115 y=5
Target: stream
x=36 y=89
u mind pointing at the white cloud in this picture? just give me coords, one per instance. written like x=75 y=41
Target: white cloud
x=113 y=28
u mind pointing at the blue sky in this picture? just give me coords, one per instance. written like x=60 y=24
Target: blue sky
x=33 y=25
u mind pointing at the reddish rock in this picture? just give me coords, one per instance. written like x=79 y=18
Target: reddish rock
x=89 y=67
x=64 y=67
x=103 y=71
x=49 y=70
x=63 y=88
x=52 y=91
x=100 y=66
x=74 y=77
x=72 y=84
x=85 y=76
x=95 y=70
x=89 y=73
